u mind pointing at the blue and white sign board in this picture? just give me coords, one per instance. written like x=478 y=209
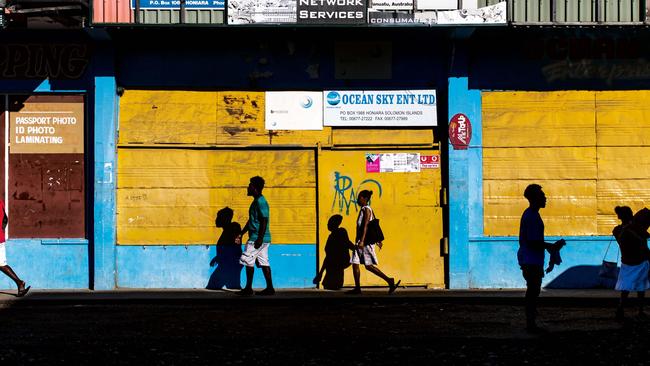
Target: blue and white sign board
x=386 y=108
x=294 y=110
x=176 y=4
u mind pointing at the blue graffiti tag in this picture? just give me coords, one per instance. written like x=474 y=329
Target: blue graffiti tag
x=345 y=195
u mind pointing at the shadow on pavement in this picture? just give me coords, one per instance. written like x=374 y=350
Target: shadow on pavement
x=581 y=277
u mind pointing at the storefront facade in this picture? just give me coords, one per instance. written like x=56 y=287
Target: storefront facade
x=566 y=111
x=53 y=87
x=189 y=142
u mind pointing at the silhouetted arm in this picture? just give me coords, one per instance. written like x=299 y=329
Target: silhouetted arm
x=542 y=245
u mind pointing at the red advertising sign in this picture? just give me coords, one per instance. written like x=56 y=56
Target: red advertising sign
x=429 y=161
x=460 y=131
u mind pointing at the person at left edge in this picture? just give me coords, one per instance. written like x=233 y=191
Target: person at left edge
x=4 y=267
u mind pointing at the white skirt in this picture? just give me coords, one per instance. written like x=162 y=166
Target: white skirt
x=633 y=278
x=366 y=255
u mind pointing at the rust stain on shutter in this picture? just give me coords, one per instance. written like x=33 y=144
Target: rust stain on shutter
x=47 y=196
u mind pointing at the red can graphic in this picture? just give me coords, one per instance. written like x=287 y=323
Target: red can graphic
x=460 y=131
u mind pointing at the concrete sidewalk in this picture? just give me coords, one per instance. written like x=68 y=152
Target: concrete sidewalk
x=587 y=297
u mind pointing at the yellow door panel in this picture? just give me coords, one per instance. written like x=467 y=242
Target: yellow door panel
x=407 y=205
x=171 y=196
x=532 y=163
x=530 y=119
x=378 y=137
x=570 y=209
x=623 y=118
x=179 y=117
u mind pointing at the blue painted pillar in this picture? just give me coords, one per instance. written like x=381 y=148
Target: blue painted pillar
x=104 y=180
x=465 y=175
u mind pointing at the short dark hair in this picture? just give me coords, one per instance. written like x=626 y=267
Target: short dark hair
x=335 y=220
x=224 y=216
x=258 y=182
x=532 y=190
x=624 y=213
x=365 y=194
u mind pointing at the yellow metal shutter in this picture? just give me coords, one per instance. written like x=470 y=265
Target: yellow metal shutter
x=171 y=196
x=589 y=150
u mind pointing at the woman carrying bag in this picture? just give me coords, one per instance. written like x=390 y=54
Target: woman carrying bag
x=632 y=240
x=364 y=252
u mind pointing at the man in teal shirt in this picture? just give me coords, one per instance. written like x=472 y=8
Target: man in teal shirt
x=259 y=239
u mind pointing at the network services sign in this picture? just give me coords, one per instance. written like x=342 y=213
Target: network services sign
x=385 y=108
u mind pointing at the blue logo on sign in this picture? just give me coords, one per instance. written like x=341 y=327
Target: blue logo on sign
x=333 y=98
x=306 y=102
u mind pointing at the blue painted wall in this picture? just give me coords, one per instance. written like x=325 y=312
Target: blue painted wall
x=292 y=266
x=48 y=264
x=104 y=137
x=493 y=263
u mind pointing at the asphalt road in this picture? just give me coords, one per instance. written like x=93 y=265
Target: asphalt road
x=337 y=330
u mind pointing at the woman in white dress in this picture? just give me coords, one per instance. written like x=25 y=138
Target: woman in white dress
x=364 y=252
x=633 y=276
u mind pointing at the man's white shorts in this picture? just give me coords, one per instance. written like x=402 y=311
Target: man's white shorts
x=252 y=255
x=3 y=255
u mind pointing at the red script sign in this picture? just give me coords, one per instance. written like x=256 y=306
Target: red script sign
x=460 y=131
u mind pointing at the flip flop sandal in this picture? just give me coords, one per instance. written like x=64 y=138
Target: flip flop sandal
x=23 y=292
x=392 y=288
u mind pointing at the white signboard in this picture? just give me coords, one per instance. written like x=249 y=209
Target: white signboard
x=384 y=108
x=261 y=12
x=293 y=110
x=436 y=4
x=494 y=14
x=391 y=4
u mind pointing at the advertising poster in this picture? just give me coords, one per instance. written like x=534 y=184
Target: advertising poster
x=50 y=128
x=176 y=4
x=430 y=161
x=261 y=12
x=384 y=108
x=331 y=12
x=372 y=163
x=293 y=110
x=393 y=163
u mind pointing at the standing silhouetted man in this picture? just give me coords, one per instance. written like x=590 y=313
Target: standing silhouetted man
x=531 y=251
x=259 y=239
